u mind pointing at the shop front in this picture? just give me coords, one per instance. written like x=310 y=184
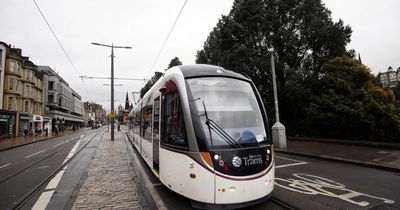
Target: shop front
x=23 y=123
x=37 y=123
x=47 y=124
x=7 y=124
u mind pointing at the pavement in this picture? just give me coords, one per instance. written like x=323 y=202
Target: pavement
x=371 y=154
x=10 y=143
x=109 y=183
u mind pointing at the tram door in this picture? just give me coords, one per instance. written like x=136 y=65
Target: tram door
x=156 y=133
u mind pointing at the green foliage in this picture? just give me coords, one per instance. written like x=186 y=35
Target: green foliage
x=322 y=92
x=120 y=116
x=157 y=75
x=174 y=62
x=301 y=32
x=150 y=83
x=345 y=103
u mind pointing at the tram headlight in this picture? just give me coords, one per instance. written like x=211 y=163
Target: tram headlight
x=216 y=157
x=269 y=156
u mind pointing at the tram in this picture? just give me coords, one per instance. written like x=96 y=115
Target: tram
x=203 y=131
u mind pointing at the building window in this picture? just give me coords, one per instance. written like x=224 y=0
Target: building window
x=392 y=76
x=16 y=85
x=26 y=107
x=27 y=90
x=11 y=84
x=1 y=57
x=51 y=85
x=10 y=103
x=50 y=99
x=12 y=66
x=16 y=104
x=28 y=75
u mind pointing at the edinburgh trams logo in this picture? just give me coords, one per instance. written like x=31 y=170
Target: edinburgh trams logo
x=237 y=161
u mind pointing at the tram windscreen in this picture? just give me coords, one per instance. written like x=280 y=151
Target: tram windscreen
x=228 y=111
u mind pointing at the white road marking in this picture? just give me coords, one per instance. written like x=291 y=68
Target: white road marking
x=290 y=164
x=5 y=165
x=315 y=185
x=43 y=200
x=58 y=144
x=293 y=164
x=54 y=182
x=285 y=158
x=46 y=196
x=36 y=153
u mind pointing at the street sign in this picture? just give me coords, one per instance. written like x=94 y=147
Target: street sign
x=112 y=115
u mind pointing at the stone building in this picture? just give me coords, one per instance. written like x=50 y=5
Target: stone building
x=3 y=48
x=63 y=104
x=22 y=100
x=390 y=78
x=95 y=113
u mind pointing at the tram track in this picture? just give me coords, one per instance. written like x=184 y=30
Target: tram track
x=10 y=176
x=38 y=187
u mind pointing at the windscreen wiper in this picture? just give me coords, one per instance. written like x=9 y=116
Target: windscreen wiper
x=225 y=136
x=213 y=126
x=209 y=128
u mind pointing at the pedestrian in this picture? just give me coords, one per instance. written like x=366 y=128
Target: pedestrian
x=26 y=132
x=73 y=128
x=46 y=131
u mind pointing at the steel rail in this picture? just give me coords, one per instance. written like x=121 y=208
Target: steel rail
x=28 y=196
x=73 y=140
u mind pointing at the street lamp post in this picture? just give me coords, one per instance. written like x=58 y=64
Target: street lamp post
x=278 y=129
x=112 y=80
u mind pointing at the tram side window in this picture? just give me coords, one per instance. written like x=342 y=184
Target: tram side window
x=173 y=124
x=136 y=123
x=147 y=122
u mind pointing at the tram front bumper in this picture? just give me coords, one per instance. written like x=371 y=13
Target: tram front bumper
x=231 y=191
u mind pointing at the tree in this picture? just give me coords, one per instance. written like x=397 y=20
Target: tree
x=174 y=62
x=157 y=75
x=301 y=32
x=345 y=103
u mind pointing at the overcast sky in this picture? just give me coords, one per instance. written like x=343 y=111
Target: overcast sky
x=144 y=26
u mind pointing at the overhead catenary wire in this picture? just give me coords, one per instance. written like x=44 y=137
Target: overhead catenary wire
x=165 y=41
x=62 y=47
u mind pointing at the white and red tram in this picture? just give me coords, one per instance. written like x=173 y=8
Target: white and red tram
x=203 y=131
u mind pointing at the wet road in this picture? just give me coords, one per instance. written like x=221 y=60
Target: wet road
x=308 y=183
x=25 y=168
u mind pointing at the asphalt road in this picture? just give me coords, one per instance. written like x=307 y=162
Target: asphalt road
x=24 y=168
x=302 y=183
x=307 y=183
